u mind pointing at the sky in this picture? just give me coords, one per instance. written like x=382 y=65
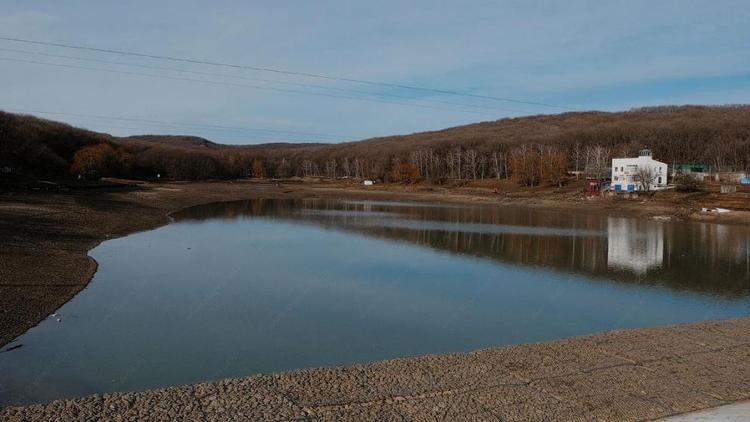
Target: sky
x=548 y=57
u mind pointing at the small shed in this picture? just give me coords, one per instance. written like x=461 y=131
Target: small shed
x=368 y=183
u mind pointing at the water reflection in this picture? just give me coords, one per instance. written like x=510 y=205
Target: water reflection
x=701 y=257
x=242 y=288
x=635 y=245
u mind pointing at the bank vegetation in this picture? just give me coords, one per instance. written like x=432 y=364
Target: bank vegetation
x=535 y=150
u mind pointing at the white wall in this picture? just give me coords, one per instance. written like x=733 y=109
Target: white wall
x=625 y=170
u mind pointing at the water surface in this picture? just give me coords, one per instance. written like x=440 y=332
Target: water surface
x=241 y=288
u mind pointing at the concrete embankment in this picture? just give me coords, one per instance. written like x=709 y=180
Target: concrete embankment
x=639 y=374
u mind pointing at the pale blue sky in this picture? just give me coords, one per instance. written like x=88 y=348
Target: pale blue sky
x=605 y=55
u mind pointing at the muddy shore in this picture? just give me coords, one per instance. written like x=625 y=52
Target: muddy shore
x=44 y=263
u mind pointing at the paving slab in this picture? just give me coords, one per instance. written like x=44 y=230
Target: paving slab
x=739 y=412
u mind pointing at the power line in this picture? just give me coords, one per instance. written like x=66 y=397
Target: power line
x=224 y=75
x=210 y=82
x=174 y=124
x=287 y=72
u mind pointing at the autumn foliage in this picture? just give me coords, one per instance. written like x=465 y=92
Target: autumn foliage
x=258 y=170
x=525 y=166
x=554 y=166
x=534 y=150
x=404 y=173
x=95 y=161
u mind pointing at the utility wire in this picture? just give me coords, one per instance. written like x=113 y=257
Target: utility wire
x=210 y=82
x=224 y=75
x=287 y=72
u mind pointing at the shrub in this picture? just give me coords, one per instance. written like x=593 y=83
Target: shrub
x=687 y=183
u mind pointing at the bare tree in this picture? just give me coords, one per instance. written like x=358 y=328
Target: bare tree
x=576 y=154
x=598 y=158
x=645 y=177
x=308 y=168
x=482 y=163
x=450 y=162
x=346 y=167
x=458 y=165
x=359 y=168
x=553 y=165
x=496 y=165
x=331 y=168
x=470 y=163
x=696 y=135
x=525 y=164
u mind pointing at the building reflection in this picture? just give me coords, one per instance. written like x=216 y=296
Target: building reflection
x=635 y=245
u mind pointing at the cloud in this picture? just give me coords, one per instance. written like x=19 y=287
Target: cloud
x=592 y=54
x=26 y=22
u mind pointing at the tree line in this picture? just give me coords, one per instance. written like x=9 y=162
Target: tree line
x=530 y=150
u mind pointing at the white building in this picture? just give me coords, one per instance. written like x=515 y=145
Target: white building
x=629 y=174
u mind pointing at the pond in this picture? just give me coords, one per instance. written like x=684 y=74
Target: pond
x=261 y=286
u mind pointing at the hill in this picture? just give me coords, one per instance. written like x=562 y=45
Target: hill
x=718 y=135
x=170 y=140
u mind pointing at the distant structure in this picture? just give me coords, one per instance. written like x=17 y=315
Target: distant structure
x=706 y=172
x=730 y=177
x=368 y=183
x=642 y=173
x=698 y=171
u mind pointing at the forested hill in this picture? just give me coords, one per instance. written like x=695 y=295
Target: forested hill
x=171 y=140
x=719 y=135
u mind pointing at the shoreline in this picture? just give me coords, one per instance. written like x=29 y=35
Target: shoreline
x=630 y=375
x=49 y=236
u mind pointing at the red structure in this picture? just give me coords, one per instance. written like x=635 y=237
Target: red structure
x=593 y=188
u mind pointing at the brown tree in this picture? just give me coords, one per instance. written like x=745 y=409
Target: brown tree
x=524 y=163
x=554 y=166
x=259 y=170
x=404 y=172
x=93 y=162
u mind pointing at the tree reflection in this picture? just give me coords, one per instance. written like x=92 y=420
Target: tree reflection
x=699 y=257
